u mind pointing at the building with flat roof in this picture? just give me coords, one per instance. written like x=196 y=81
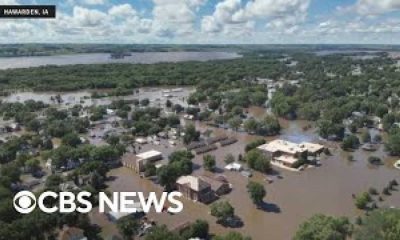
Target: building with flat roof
x=151 y=155
x=288 y=154
x=138 y=162
x=115 y=216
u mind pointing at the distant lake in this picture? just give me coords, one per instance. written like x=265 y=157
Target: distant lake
x=346 y=51
x=98 y=58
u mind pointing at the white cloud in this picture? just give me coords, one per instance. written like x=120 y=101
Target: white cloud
x=174 y=17
x=12 y=29
x=94 y=2
x=232 y=21
x=282 y=15
x=88 y=17
x=210 y=25
x=222 y=16
x=278 y=15
x=123 y=10
x=9 y=2
x=373 y=7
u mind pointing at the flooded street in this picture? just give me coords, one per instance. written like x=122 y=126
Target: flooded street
x=290 y=200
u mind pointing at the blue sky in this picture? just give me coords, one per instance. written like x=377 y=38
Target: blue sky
x=210 y=22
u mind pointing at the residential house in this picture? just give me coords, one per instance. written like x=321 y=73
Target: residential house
x=195 y=189
x=219 y=185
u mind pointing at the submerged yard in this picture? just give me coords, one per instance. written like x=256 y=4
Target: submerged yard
x=291 y=198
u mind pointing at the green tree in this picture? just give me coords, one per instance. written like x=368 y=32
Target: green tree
x=33 y=125
x=269 y=126
x=112 y=140
x=71 y=139
x=33 y=165
x=252 y=145
x=150 y=169
x=393 y=142
x=222 y=210
x=128 y=227
x=198 y=229
x=167 y=176
x=362 y=200
x=350 y=142
x=380 y=224
x=321 y=227
x=235 y=122
x=258 y=161
x=251 y=125
x=162 y=233
x=229 y=158
x=180 y=163
x=190 y=134
x=53 y=181
x=209 y=162
x=256 y=192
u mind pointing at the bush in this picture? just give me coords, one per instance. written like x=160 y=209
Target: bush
x=379 y=224
x=254 y=144
x=362 y=200
x=222 y=211
x=350 y=142
x=229 y=158
x=209 y=162
x=374 y=160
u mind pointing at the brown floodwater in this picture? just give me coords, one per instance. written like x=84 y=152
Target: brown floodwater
x=290 y=199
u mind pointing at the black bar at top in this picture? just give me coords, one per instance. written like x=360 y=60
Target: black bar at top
x=27 y=11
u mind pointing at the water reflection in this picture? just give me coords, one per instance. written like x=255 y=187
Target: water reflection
x=97 y=58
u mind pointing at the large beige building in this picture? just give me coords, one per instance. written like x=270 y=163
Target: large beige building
x=288 y=154
x=138 y=162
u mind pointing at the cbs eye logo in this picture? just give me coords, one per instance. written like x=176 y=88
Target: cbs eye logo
x=24 y=202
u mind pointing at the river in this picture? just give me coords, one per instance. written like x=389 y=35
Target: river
x=99 y=58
